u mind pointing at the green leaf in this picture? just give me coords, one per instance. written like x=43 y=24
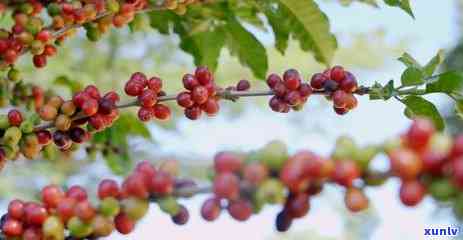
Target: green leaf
x=72 y=85
x=403 y=4
x=117 y=162
x=420 y=107
x=412 y=76
x=409 y=61
x=249 y=50
x=459 y=108
x=431 y=66
x=448 y=82
x=281 y=28
x=160 y=20
x=205 y=47
x=315 y=26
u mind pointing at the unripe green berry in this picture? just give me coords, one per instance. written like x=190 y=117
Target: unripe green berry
x=273 y=155
x=53 y=9
x=135 y=208
x=458 y=206
x=53 y=228
x=93 y=34
x=26 y=8
x=78 y=228
x=109 y=207
x=345 y=148
x=12 y=136
x=14 y=75
x=11 y=151
x=271 y=191
x=391 y=145
x=112 y=6
x=440 y=143
x=364 y=156
x=169 y=205
x=442 y=189
x=4 y=123
x=37 y=47
x=26 y=126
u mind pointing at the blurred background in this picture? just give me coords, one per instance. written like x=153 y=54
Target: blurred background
x=370 y=41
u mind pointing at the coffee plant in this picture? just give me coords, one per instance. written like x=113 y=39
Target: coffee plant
x=38 y=121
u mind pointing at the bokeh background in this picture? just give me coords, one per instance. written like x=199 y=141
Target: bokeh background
x=370 y=39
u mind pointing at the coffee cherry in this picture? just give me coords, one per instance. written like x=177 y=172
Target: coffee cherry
x=273 y=79
x=139 y=78
x=411 y=193
x=293 y=98
x=305 y=90
x=44 y=137
x=35 y=214
x=349 y=84
x=133 y=88
x=161 y=112
x=292 y=79
x=15 y=117
x=193 y=113
x=84 y=210
x=80 y=98
x=61 y=139
x=211 y=107
x=203 y=75
x=240 y=210
x=65 y=208
x=79 y=229
x=48 y=112
x=162 y=184
x=124 y=224
x=155 y=84
x=134 y=185
x=51 y=196
x=283 y=221
x=109 y=207
x=351 y=101
x=355 y=200
x=227 y=162
x=182 y=217
x=135 y=208
x=93 y=92
x=255 y=173
x=199 y=95
x=112 y=96
x=405 y=164
x=420 y=133
x=148 y=98
x=90 y=107
x=53 y=228
x=330 y=85
x=16 y=209
x=280 y=90
x=243 y=85
x=184 y=100
x=102 y=227
x=12 y=228
x=190 y=81
x=145 y=114
x=338 y=74
x=277 y=104
x=40 y=61
x=148 y=171
x=433 y=162
x=77 y=134
x=63 y=122
x=339 y=99
x=345 y=172
x=457 y=172
x=108 y=188
x=77 y=192
x=32 y=233
x=318 y=81
x=68 y=108
x=211 y=209
x=298 y=206
x=226 y=185
x=106 y=106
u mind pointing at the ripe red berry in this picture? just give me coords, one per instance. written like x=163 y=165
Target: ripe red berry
x=405 y=163
x=457 y=172
x=155 y=84
x=211 y=107
x=280 y=90
x=292 y=79
x=181 y=218
x=112 y=96
x=85 y=211
x=419 y=133
x=80 y=98
x=243 y=85
x=190 y=81
x=277 y=104
x=97 y=121
x=351 y=101
x=16 y=209
x=412 y=192
x=49 y=50
x=77 y=192
x=227 y=162
x=15 y=117
x=184 y=100
x=211 y=89
x=43 y=136
x=255 y=173
x=65 y=209
x=330 y=85
x=349 y=84
x=108 y=188
x=148 y=98
x=124 y=224
x=12 y=228
x=203 y=75
x=305 y=90
x=345 y=172
x=340 y=111
x=339 y=99
x=90 y=107
x=161 y=112
x=240 y=210
x=140 y=78
x=162 y=183
x=226 y=185
x=193 y=113
x=32 y=233
x=35 y=214
x=43 y=36
x=338 y=74
x=77 y=134
x=145 y=114
x=40 y=61
x=93 y=92
x=199 y=94
x=298 y=205
x=433 y=162
x=318 y=81
x=355 y=200
x=134 y=185
x=273 y=79
x=51 y=196
x=133 y=88
x=293 y=98
x=210 y=210
x=61 y=139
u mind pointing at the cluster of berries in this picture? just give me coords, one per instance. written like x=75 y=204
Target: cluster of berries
x=339 y=85
x=290 y=92
x=30 y=33
x=201 y=94
x=71 y=215
x=147 y=91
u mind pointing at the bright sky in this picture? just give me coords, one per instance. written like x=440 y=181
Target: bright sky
x=434 y=28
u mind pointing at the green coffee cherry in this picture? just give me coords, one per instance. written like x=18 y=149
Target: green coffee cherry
x=14 y=75
x=271 y=191
x=135 y=208
x=345 y=148
x=440 y=143
x=273 y=155
x=364 y=156
x=12 y=136
x=458 y=206
x=78 y=228
x=93 y=34
x=375 y=178
x=53 y=9
x=11 y=151
x=169 y=205
x=26 y=127
x=109 y=207
x=442 y=189
x=4 y=123
x=53 y=228
x=391 y=144
x=112 y=6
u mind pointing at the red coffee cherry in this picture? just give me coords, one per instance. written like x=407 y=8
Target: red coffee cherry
x=203 y=75
x=35 y=214
x=77 y=134
x=273 y=79
x=162 y=184
x=12 y=228
x=16 y=209
x=146 y=169
x=349 y=84
x=338 y=74
x=193 y=113
x=243 y=85
x=77 y=192
x=15 y=117
x=297 y=205
x=93 y=92
x=255 y=173
x=133 y=88
x=124 y=224
x=184 y=100
x=405 y=163
x=155 y=84
x=339 y=99
x=161 y=112
x=134 y=185
x=412 y=192
x=211 y=209
x=90 y=107
x=345 y=172
x=65 y=208
x=227 y=162
x=85 y=211
x=108 y=188
x=181 y=218
x=43 y=136
x=147 y=98
x=355 y=200
x=292 y=79
x=305 y=90
x=318 y=81
x=419 y=133
x=240 y=210
x=52 y=195
x=226 y=185
x=199 y=94
x=190 y=81
x=139 y=78
x=40 y=61
x=106 y=106
x=211 y=107
x=145 y=114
